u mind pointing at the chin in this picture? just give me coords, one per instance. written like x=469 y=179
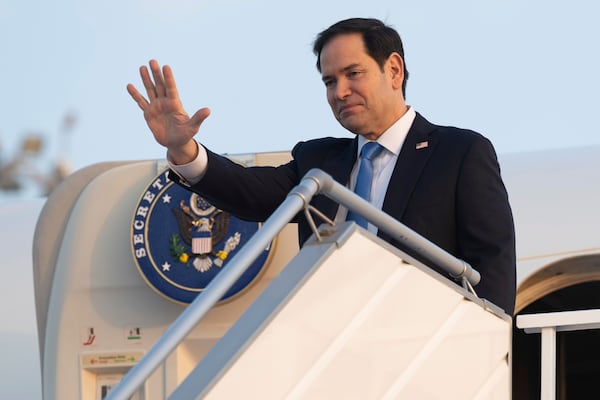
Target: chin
x=353 y=128
x=358 y=132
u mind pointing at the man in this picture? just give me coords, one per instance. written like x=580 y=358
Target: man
x=442 y=182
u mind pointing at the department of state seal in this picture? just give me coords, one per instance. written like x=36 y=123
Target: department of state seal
x=180 y=241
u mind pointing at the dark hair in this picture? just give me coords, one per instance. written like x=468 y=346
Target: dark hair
x=380 y=40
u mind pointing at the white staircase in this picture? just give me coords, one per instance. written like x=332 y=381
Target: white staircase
x=348 y=319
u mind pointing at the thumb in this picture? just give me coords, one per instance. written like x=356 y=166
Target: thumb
x=198 y=118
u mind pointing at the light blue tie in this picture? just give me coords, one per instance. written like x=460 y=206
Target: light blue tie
x=364 y=179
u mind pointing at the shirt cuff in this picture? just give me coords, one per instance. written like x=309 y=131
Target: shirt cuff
x=193 y=171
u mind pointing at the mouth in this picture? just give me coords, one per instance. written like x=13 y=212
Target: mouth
x=348 y=109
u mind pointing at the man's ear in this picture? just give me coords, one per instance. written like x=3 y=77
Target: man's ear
x=395 y=67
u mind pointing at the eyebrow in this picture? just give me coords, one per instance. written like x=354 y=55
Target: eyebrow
x=345 y=69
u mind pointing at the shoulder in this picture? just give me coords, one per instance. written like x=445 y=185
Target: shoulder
x=333 y=155
x=451 y=136
x=321 y=147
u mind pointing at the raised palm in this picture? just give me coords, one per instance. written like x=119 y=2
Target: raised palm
x=170 y=124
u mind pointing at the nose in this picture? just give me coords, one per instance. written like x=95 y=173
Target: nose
x=342 y=89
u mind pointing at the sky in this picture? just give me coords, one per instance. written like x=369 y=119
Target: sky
x=523 y=73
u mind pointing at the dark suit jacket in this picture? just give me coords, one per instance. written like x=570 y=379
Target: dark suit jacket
x=450 y=192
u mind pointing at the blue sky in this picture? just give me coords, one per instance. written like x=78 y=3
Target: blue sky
x=523 y=73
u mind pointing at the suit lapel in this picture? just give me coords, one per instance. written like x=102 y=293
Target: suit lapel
x=416 y=150
x=339 y=165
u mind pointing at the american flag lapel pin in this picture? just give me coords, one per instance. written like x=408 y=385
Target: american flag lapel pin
x=422 y=145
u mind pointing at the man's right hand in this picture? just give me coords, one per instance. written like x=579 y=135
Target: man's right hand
x=170 y=124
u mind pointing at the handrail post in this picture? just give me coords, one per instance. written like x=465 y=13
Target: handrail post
x=548 y=375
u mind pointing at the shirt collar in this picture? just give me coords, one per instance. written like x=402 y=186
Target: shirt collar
x=393 y=138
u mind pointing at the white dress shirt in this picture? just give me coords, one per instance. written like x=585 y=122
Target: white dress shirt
x=383 y=165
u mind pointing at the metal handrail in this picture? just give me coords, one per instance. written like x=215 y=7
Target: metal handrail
x=456 y=267
x=547 y=325
x=314 y=182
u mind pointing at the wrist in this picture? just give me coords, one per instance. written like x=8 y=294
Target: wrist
x=184 y=154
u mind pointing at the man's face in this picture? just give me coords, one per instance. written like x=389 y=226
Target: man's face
x=363 y=98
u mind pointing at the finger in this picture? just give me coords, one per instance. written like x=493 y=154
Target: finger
x=170 y=85
x=159 y=82
x=137 y=97
x=148 y=84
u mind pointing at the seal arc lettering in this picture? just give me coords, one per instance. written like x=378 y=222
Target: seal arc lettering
x=142 y=211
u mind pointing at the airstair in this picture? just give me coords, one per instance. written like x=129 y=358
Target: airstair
x=347 y=316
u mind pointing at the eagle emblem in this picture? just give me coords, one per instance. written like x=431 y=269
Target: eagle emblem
x=200 y=226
